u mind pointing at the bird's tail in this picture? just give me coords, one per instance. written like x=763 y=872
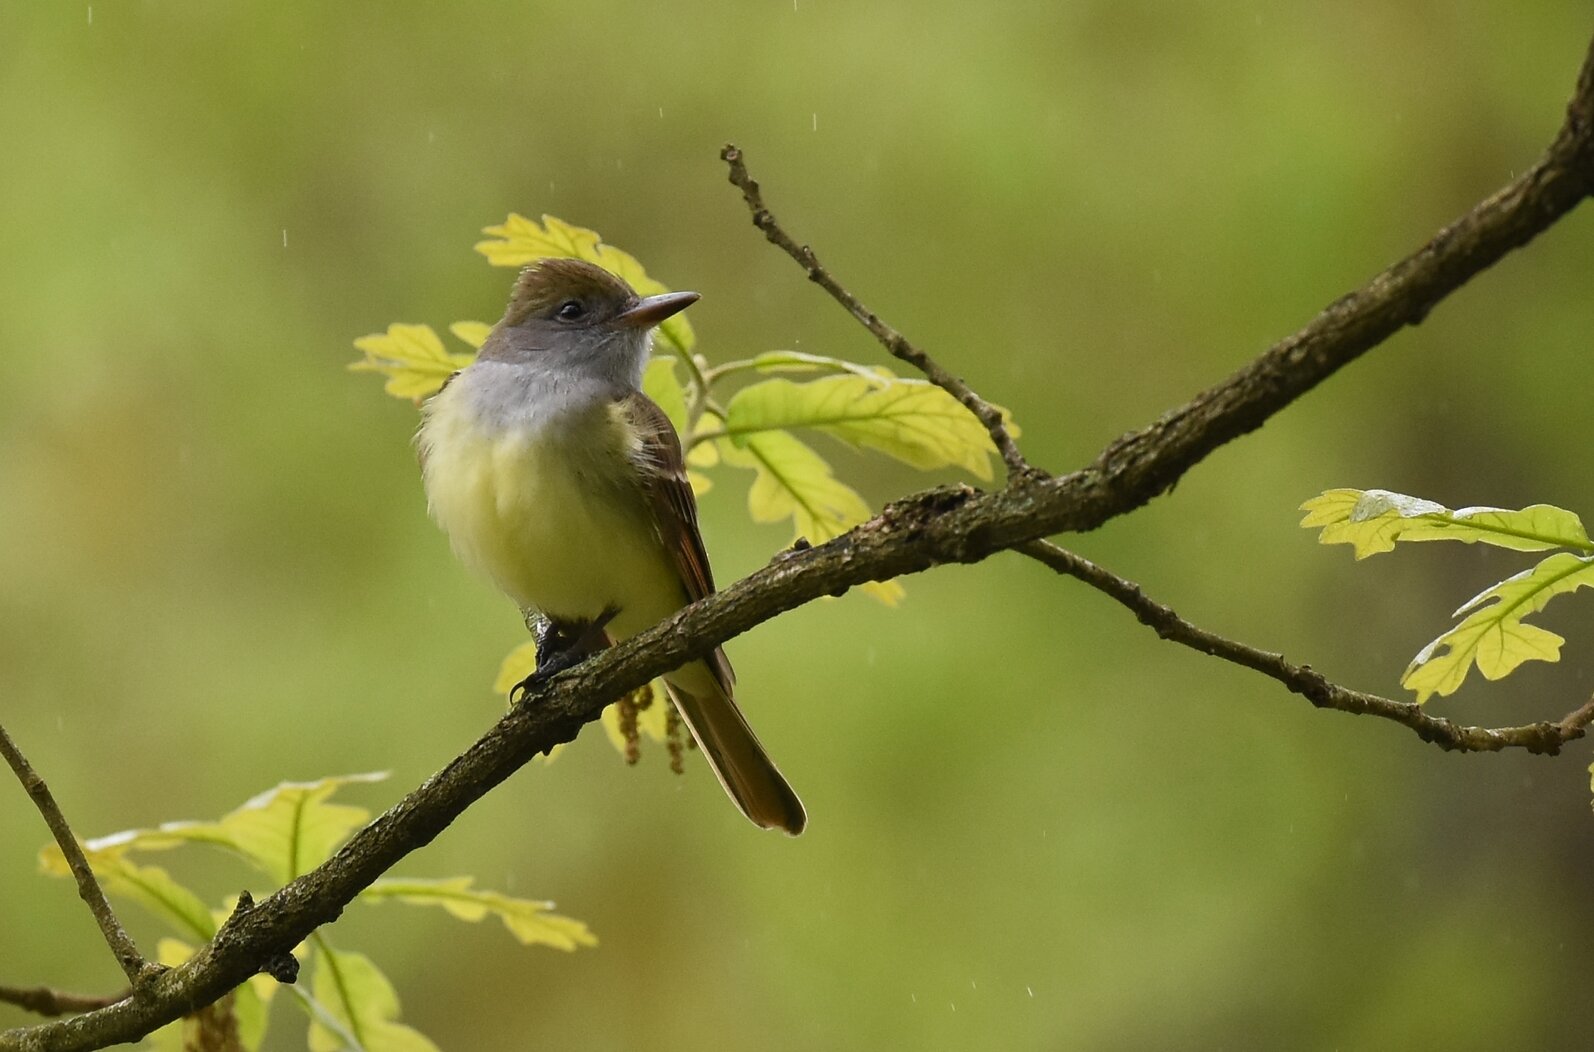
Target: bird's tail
x=749 y=776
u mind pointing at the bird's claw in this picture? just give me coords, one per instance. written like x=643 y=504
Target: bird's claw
x=546 y=670
x=562 y=646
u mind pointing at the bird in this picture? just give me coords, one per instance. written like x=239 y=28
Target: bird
x=558 y=480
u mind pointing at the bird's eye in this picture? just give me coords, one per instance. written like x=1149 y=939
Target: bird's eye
x=570 y=310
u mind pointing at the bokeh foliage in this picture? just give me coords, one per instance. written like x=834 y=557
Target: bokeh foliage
x=1034 y=826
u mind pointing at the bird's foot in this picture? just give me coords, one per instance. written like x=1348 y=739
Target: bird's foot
x=562 y=645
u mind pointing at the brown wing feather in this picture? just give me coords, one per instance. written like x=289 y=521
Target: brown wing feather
x=663 y=470
x=707 y=705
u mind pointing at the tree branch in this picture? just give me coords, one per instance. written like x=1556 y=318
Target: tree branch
x=1018 y=469
x=127 y=956
x=1146 y=463
x=1545 y=738
x=45 y=1001
x=928 y=529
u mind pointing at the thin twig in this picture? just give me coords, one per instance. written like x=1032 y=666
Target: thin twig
x=45 y=1001
x=1543 y=738
x=1018 y=469
x=132 y=962
x=1577 y=719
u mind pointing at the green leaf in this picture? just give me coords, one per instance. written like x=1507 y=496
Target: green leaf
x=474 y=333
x=413 y=359
x=660 y=384
x=803 y=362
x=318 y=1013
x=912 y=420
x=516 y=666
x=286 y=831
x=528 y=921
x=154 y=889
x=356 y=993
x=251 y=1004
x=290 y=829
x=149 y=886
x=1494 y=636
x=701 y=453
x=794 y=482
x=1374 y=520
x=160 y=838
x=518 y=241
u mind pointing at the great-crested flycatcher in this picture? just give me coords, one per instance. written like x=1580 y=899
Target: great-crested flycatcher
x=560 y=481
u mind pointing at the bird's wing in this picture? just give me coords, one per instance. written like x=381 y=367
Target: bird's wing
x=662 y=468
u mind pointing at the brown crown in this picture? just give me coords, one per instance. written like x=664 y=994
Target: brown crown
x=549 y=282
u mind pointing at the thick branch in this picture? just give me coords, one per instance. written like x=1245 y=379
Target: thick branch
x=116 y=937
x=939 y=526
x=1546 y=738
x=1145 y=463
x=1018 y=469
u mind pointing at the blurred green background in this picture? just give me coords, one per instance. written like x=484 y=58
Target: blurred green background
x=1033 y=825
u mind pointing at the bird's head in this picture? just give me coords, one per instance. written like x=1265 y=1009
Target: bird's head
x=582 y=314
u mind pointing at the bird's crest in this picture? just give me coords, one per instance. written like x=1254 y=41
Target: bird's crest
x=549 y=282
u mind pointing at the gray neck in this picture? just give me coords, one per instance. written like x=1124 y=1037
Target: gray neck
x=615 y=356
x=515 y=383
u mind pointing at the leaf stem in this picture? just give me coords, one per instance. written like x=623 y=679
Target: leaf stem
x=707 y=436
x=700 y=383
x=350 y=1035
x=319 y=1013
x=797 y=361
x=717 y=372
x=1448 y=518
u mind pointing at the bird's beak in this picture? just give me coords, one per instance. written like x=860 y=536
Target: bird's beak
x=651 y=310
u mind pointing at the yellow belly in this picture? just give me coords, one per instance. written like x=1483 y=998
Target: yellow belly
x=553 y=522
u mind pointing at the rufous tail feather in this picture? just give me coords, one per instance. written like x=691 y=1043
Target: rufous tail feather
x=749 y=776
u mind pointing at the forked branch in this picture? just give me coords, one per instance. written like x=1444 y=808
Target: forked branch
x=911 y=535
x=1018 y=469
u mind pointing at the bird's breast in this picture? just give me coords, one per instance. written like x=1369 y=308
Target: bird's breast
x=546 y=507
